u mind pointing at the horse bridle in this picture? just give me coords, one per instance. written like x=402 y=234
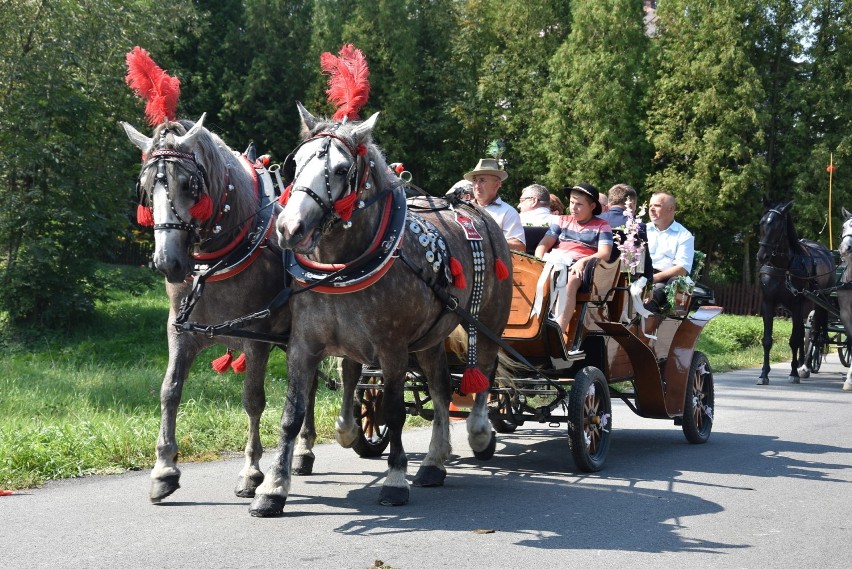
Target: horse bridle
x=332 y=209
x=774 y=246
x=197 y=182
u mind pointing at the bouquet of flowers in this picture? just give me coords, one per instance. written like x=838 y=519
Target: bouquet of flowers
x=632 y=248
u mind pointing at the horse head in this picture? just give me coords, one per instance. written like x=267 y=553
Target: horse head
x=189 y=180
x=845 y=247
x=329 y=171
x=774 y=238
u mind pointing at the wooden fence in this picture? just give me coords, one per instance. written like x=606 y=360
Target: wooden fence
x=740 y=298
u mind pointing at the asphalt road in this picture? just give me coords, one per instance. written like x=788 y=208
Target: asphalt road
x=771 y=488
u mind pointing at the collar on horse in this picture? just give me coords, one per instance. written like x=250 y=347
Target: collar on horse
x=369 y=267
x=240 y=252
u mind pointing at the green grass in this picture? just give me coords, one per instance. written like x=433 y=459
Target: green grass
x=88 y=401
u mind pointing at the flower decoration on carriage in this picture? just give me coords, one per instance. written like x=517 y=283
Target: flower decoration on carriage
x=632 y=248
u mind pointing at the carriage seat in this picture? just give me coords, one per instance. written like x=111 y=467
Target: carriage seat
x=533 y=236
x=528 y=318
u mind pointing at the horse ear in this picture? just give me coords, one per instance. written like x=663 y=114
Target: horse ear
x=141 y=141
x=309 y=121
x=787 y=206
x=189 y=137
x=846 y=214
x=361 y=132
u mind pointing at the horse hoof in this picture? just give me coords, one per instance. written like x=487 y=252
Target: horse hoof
x=429 y=476
x=163 y=487
x=793 y=379
x=303 y=465
x=488 y=452
x=267 y=506
x=394 y=495
x=804 y=373
x=247 y=486
x=762 y=381
x=847 y=386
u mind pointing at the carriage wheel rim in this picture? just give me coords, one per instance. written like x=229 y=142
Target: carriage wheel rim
x=369 y=413
x=591 y=424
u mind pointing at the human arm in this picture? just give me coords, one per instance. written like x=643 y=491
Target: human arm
x=682 y=263
x=603 y=253
x=546 y=244
x=516 y=244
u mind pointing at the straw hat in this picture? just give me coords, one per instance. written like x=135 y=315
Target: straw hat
x=487 y=166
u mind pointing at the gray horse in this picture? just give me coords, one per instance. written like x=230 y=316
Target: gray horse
x=185 y=168
x=384 y=273
x=844 y=294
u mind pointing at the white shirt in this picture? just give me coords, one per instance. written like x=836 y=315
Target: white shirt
x=673 y=246
x=507 y=218
x=538 y=217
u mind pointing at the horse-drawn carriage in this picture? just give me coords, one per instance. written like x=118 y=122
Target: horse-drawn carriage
x=818 y=339
x=383 y=280
x=609 y=351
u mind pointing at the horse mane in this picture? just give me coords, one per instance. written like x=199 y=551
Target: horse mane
x=792 y=235
x=212 y=152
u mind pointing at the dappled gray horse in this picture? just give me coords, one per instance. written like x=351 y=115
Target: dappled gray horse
x=384 y=273
x=212 y=214
x=844 y=293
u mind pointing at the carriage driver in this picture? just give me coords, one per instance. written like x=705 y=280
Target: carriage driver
x=487 y=178
x=671 y=245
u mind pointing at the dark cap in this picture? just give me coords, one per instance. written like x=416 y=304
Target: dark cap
x=590 y=191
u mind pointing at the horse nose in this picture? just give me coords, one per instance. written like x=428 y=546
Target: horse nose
x=173 y=269
x=289 y=229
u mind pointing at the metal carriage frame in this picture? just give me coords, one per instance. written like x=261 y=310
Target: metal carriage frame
x=818 y=340
x=608 y=352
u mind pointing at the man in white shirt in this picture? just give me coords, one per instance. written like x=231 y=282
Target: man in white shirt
x=487 y=178
x=670 y=244
x=535 y=206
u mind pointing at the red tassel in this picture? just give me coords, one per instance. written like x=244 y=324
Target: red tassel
x=457 y=271
x=144 y=216
x=239 y=364
x=203 y=209
x=473 y=381
x=285 y=197
x=345 y=206
x=221 y=364
x=500 y=270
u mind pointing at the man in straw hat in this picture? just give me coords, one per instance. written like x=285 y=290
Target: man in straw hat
x=487 y=178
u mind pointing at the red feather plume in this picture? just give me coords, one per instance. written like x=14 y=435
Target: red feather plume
x=150 y=83
x=348 y=81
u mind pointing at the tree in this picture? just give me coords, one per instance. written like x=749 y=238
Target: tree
x=825 y=118
x=593 y=109
x=706 y=125
x=63 y=158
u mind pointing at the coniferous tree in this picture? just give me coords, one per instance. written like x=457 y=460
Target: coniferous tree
x=825 y=119
x=705 y=122
x=593 y=109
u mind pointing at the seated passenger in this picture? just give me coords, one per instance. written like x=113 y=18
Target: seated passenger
x=535 y=206
x=556 y=207
x=487 y=178
x=671 y=245
x=579 y=237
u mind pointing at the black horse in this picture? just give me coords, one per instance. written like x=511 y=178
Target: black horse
x=788 y=266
